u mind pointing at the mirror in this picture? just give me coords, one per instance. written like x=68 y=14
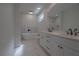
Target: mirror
x=66 y=17
x=55 y=22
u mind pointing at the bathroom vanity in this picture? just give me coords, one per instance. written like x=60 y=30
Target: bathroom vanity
x=60 y=44
x=56 y=42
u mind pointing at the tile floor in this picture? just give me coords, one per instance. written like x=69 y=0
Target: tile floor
x=30 y=48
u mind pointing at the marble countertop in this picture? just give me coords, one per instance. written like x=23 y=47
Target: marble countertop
x=63 y=34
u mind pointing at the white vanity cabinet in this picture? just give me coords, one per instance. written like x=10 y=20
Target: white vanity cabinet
x=51 y=45
x=55 y=46
x=71 y=47
x=59 y=46
x=55 y=49
x=70 y=52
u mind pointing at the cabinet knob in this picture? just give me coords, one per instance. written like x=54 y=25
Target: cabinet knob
x=58 y=46
x=47 y=48
x=48 y=41
x=61 y=47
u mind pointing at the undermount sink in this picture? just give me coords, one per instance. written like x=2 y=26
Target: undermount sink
x=59 y=33
x=64 y=34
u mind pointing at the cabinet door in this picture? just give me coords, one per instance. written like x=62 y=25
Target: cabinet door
x=55 y=50
x=74 y=44
x=42 y=42
x=60 y=50
x=52 y=45
x=70 y=52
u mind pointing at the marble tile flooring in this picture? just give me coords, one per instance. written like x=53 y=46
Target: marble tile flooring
x=30 y=47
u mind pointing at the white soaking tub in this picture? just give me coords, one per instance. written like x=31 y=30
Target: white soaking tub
x=30 y=35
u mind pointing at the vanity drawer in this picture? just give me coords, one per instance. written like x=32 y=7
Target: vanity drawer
x=57 y=39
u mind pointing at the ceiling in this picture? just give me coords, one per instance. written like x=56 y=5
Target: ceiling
x=26 y=7
x=61 y=7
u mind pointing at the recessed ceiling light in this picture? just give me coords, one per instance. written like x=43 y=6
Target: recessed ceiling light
x=30 y=12
x=24 y=10
x=38 y=8
x=56 y=14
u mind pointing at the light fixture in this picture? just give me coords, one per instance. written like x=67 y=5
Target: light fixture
x=56 y=15
x=24 y=10
x=30 y=12
x=38 y=8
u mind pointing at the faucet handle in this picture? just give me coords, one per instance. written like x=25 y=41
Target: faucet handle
x=75 y=30
x=70 y=31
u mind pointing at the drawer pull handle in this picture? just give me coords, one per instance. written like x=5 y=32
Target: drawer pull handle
x=60 y=47
x=48 y=41
x=47 y=48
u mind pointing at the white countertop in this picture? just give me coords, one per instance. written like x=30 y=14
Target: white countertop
x=63 y=34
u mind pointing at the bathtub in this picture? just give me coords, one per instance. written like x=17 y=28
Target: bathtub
x=30 y=35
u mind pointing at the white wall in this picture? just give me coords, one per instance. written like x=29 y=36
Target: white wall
x=18 y=22
x=71 y=18
x=6 y=29
x=68 y=16
x=29 y=21
x=44 y=24
x=10 y=28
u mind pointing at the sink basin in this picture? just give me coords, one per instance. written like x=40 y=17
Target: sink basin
x=59 y=33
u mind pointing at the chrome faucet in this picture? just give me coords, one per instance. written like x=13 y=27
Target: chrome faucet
x=70 y=31
x=76 y=31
